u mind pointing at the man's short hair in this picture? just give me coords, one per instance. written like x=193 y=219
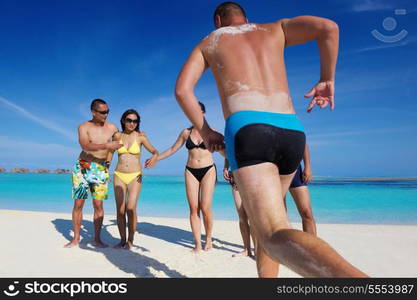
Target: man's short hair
x=96 y=102
x=226 y=9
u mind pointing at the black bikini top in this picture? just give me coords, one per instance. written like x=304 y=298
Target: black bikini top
x=190 y=144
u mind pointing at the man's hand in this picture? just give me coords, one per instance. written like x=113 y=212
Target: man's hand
x=113 y=146
x=213 y=140
x=226 y=174
x=323 y=94
x=307 y=176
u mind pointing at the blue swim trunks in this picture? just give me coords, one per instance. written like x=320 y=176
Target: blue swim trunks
x=254 y=137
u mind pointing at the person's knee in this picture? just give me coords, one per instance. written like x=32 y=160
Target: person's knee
x=194 y=211
x=130 y=211
x=206 y=210
x=78 y=207
x=268 y=235
x=98 y=209
x=121 y=212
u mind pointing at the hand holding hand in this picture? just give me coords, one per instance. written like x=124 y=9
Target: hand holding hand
x=213 y=140
x=151 y=162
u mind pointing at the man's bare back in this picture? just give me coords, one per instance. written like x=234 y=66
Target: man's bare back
x=247 y=62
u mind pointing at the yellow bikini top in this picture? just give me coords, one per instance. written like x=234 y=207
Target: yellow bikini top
x=133 y=149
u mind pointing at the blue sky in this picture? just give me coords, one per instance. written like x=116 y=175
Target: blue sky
x=56 y=56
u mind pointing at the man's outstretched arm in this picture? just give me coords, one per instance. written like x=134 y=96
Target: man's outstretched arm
x=326 y=32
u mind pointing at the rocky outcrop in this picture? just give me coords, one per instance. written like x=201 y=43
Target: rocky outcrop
x=42 y=171
x=19 y=170
x=2 y=170
x=62 y=171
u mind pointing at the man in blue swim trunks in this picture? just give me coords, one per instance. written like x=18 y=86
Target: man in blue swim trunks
x=264 y=138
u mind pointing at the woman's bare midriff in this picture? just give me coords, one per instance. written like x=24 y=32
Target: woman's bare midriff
x=128 y=163
x=199 y=158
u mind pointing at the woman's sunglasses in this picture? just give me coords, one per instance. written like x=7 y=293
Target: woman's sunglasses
x=129 y=120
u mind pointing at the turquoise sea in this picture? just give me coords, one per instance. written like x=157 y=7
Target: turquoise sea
x=334 y=200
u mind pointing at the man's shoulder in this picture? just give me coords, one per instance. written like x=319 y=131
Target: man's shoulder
x=84 y=124
x=111 y=125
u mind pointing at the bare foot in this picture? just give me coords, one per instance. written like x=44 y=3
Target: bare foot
x=73 y=243
x=208 y=245
x=242 y=253
x=128 y=245
x=196 y=250
x=120 y=245
x=99 y=244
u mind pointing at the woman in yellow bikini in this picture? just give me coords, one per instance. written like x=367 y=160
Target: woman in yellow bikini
x=128 y=174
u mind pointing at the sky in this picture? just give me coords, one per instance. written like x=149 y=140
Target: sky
x=57 y=56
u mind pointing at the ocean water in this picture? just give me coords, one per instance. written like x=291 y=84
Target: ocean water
x=334 y=200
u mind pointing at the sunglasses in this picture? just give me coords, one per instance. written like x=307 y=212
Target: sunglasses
x=129 y=120
x=103 y=112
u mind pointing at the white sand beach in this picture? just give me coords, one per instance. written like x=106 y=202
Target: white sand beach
x=32 y=246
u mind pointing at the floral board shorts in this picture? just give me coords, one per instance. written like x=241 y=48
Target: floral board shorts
x=90 y=176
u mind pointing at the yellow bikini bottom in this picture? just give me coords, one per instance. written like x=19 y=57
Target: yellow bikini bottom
x=127 y=177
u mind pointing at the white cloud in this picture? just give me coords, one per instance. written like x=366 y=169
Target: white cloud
x=43 y=122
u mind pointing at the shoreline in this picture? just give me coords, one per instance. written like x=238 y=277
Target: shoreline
x=162 y=248
x=231 y=219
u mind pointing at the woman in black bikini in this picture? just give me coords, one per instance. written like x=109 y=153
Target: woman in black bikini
x=200 y=178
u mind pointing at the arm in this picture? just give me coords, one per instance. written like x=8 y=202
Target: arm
x=326 y=32
x=307 y=175
x=88 y=146
x=116 y=137
x=151 y=161
x=174 y=148
x=226 y=170
x=184 y=93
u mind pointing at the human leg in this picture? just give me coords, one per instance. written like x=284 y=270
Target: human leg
x=243 y=224
x=207 y=185
x=192 y=187
x=79 y=194
x=134 y=189
x=120 y=191
x=267 y=267
x=304 y=253
x=77 y=218
x=98 y=222
x=301 y=198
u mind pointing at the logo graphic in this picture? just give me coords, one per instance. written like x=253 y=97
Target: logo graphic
x=390 y=24
x=11 y=290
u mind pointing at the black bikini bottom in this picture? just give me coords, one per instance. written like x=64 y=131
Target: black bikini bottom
x=199 y=173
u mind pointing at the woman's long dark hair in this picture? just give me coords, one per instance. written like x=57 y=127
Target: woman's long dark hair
x=203 y=110
x=125 y=114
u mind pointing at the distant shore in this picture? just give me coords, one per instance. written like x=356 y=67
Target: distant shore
x=317 y=178
x=37 y=171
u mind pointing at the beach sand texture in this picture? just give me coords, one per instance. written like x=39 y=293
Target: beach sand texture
x=33 y=247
